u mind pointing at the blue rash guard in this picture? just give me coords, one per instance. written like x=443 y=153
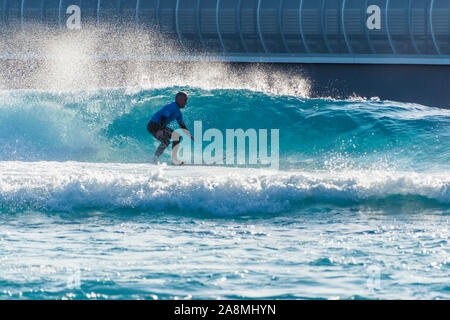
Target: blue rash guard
x=170 y=112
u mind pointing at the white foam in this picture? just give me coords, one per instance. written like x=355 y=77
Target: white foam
x=68 y=186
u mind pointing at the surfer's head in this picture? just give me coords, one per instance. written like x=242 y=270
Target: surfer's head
x=181 y=99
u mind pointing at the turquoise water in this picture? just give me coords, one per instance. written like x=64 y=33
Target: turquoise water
x=359 y=208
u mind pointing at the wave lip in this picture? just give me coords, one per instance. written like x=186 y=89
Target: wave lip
x=71 y=186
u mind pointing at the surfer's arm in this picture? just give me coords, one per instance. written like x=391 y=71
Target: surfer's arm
x=185 y=129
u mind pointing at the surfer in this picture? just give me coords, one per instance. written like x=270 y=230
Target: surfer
x=158 y=127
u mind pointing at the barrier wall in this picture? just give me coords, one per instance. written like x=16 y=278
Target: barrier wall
x=302 y=31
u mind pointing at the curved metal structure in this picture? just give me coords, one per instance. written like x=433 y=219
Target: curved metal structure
x=388 y=32
x=219 y=33
x=343 y=27
x=280 y=26
x=433 y=36
x=300 y=22
x=298 y=31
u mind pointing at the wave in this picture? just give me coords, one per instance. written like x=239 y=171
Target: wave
x=72 y=186
x=109 y=125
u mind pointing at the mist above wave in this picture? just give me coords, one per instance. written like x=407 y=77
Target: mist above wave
x=103 y=57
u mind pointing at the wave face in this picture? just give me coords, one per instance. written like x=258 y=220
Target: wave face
x=362 y=152
x=109 y=125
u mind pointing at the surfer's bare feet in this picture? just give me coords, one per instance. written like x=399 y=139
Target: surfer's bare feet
x=175 y=161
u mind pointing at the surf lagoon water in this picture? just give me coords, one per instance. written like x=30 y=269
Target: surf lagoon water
x=359 y=208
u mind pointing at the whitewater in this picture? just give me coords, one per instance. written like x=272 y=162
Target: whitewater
x=359 y=208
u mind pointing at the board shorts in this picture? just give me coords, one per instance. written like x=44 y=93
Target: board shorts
x=153 y=128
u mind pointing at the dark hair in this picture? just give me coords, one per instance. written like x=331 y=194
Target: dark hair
x=181 y=94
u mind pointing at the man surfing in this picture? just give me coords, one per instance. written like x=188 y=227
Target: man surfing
x=158 y=127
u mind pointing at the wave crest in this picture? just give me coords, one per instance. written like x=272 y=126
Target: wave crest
x=224 y=191
x=109 y=125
